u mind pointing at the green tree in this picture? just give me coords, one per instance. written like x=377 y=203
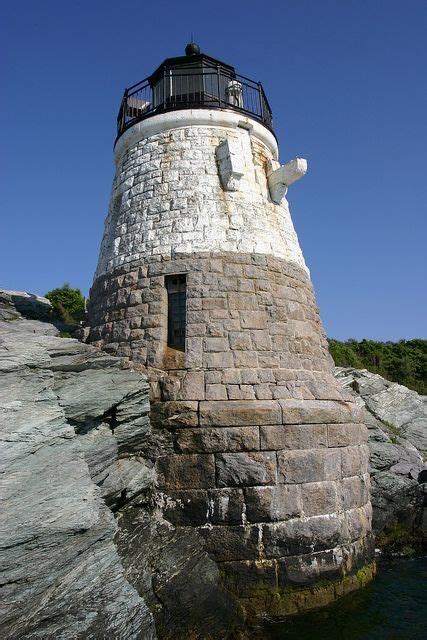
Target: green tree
x=68 y=304
x=404 y=361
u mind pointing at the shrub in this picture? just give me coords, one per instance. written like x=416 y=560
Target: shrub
x=68 y=304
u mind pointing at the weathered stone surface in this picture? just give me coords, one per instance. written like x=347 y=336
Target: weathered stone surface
x=219 y=336
x=70 y=569
x=358 y=522
x=346 y=435
x=316 y=411
x=306 y=569
x=319 y=497
x=245 y=469
x=187 y=471
x=187 y=507
x=354 y=460
x=245 y=575
x=239 y=413
x=227 y=506
x=215 y=440
x=293 y=436
x=310 y=465
x=395 y=463
x=93 y=392
x=193 y=386
x=390 y=403
x=299 y=537
x=62 y=573
x=175 y=414
x=355 y=491
x=216 y=392
x=185 y=587
x=17 y=304
x=149 y=166
x=231 y=543
x=281 y=502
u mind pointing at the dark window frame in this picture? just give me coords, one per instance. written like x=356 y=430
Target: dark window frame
x=176 y=287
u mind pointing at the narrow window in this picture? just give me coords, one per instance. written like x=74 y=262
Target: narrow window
x=176 y=288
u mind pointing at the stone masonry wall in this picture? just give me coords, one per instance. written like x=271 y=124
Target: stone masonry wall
x=167 y=198
x=263 y=452
x=252 y=326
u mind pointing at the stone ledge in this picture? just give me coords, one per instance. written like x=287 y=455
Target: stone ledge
x=217 y=440
x=232 y=542
x=319 y=411
x=239 y=413
x=173 y=120
x=186 y=471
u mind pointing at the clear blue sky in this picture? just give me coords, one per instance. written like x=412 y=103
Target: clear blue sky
x=347 y=84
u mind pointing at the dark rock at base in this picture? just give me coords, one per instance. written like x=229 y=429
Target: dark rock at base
x=171 y=570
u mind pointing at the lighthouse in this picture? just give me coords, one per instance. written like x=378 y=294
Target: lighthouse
x=201 y=284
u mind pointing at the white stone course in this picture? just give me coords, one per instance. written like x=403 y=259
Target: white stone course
x=168 y=198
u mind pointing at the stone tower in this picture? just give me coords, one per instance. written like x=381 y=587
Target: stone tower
x=202 y=284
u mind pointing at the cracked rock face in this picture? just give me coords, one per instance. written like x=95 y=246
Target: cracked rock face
x=62 y=575
x=396 y=418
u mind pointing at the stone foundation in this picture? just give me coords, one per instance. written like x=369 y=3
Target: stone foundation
x=263 y=453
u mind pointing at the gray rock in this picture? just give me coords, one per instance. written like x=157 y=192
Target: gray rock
x=15 y=304
x=390 y=403
x=397 y=427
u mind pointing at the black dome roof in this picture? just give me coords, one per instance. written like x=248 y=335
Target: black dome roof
x=192 y=49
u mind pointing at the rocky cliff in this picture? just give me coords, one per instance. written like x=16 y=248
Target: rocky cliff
x=67 y=417
x=396 y=418
x=86 y=549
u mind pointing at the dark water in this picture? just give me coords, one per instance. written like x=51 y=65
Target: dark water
x=393 y=607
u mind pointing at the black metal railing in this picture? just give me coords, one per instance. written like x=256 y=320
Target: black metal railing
x=187 y=87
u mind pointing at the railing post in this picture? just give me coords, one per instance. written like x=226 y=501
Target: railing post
x=121 y=121
x=219 y=87
x=125 y=107
x=261 y=100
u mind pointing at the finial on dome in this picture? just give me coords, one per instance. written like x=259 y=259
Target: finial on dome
x=192 y=49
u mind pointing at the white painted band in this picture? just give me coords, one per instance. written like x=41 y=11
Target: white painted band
x=194 y=118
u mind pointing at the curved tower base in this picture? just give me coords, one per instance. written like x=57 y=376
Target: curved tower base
x=263 y=454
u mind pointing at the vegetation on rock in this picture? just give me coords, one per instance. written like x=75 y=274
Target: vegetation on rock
x=404 y=362
x=68 y=304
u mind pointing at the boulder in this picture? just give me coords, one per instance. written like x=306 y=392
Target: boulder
x=18 y=304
